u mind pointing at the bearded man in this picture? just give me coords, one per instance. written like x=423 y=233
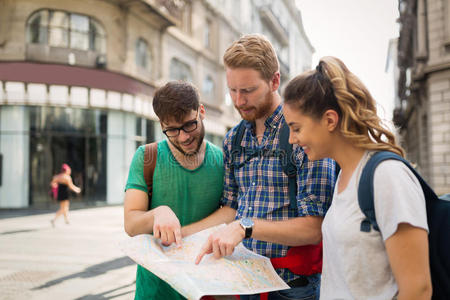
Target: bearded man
x=256 y=203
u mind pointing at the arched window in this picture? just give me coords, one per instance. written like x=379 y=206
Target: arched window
x=143 y=55
x=208 y=88
x=38 y=27
x=58 y=29
x=63 y=29
x=97 y=37
x=180 y=70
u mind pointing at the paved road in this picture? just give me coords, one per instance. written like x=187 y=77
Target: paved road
x=77 y=261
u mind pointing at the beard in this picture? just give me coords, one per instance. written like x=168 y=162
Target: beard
x=196 y=139
x=258 y=112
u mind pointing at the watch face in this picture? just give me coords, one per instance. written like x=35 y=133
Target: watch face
x=247 y=222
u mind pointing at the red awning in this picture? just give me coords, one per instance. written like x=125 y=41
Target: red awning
x=72 y=76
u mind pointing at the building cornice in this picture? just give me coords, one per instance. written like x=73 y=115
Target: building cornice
x=437 y=68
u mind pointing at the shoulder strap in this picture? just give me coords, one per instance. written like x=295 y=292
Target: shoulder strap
x=365 y=187
x=150 y=155
x=237 y=138
x=286 y=158
x=236 y=148
x=289 y=168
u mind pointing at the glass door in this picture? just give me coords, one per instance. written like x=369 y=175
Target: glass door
x=76 y=137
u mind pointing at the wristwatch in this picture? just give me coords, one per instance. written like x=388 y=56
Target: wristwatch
x=247 y=224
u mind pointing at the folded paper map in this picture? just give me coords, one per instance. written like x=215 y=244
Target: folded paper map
x=242 y=273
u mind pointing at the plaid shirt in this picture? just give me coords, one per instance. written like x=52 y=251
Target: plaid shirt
x=259 y=189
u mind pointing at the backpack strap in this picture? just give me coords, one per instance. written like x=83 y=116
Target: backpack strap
x=365 y=187
x=237 y=138
x=150 y=157
x=236 y=148
x=285 y=156
x=289 y=168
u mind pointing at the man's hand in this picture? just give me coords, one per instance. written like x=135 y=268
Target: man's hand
x=166 y=226
x=222 y=242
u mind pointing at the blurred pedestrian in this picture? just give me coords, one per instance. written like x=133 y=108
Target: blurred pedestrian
x=63 y=181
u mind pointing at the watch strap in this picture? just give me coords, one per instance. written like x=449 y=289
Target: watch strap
x=248 y=232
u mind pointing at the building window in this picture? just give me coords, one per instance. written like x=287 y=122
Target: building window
x=79 y=32
x=67 y=30
x=38 y=27
x=58 y=29
x=208 y=88
x=186 y=15
x=143 y=57
x=180 y=70
x=207 y=34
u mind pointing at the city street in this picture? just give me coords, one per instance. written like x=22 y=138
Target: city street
x=77 y=261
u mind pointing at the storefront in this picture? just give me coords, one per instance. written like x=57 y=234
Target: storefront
x=36 y=140
x=66 y=135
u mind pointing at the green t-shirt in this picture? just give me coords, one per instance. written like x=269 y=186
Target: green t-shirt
x=191 y=194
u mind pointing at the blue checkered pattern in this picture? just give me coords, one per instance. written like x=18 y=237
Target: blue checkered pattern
x=259 y=189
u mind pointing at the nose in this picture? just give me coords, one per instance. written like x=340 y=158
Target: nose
x=239 y=99
x=183 y=136
x=292 y=138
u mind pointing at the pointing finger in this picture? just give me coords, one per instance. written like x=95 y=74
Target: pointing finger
x=216 y=249
x=205 y=249
x=199 y=257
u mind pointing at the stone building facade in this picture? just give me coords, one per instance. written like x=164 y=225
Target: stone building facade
x=77 y=79
x=423 y=114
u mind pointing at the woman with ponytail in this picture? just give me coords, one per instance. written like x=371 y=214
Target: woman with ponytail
x=332 y=114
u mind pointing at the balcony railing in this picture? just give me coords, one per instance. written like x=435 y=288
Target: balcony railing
x=173 y=7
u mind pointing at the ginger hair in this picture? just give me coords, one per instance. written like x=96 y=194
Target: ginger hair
x=252 y=51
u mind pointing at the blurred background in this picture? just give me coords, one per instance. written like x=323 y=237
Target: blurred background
x=77 y=77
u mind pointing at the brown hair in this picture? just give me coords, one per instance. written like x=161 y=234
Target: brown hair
x=252 y=51
x=332 y=86
x=175 y=100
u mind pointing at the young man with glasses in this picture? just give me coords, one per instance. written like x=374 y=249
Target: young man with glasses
x=187 y=180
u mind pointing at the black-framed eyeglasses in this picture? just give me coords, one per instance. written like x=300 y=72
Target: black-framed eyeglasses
x=187 y=127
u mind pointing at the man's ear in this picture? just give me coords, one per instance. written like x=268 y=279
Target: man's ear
x=201 y=111
x=275 y=81
x=331 y=119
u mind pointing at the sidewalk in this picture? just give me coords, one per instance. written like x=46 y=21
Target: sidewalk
x=77 y=261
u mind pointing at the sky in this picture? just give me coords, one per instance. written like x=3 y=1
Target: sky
x=357 y=32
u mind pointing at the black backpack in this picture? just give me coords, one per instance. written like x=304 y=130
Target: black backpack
x=438 y=218
x=284 y=153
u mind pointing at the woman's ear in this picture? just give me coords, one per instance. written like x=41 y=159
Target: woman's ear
x=331 y=119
